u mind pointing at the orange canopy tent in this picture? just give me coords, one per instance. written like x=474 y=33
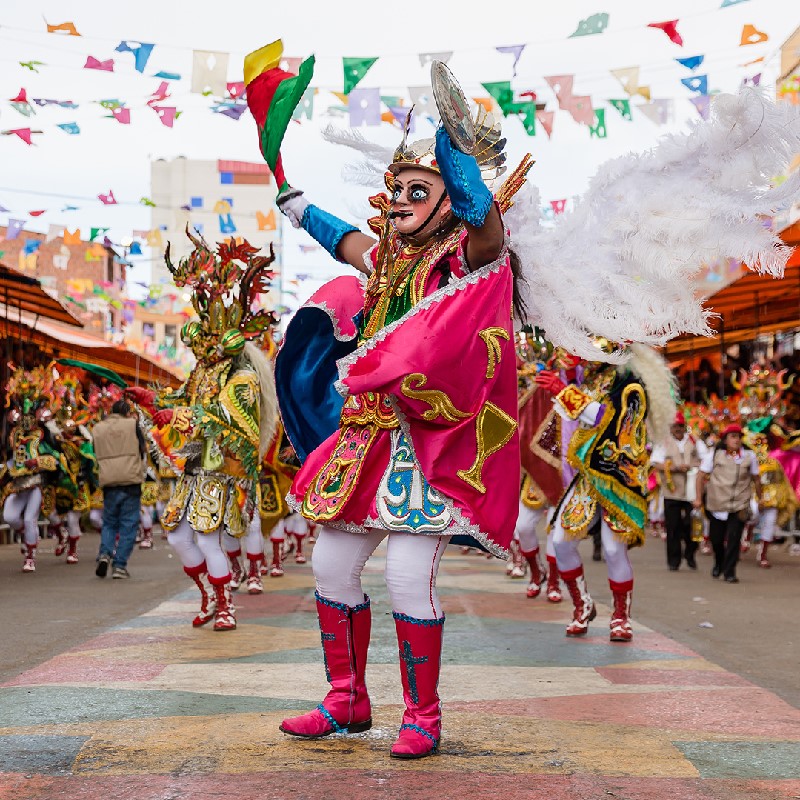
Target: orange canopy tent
x=22 y=293
x=749 y=307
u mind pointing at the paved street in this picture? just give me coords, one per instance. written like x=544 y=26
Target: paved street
x=150 y=708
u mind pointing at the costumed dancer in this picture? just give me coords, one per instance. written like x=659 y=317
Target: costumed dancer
x=77 y=479
x=216 y=427
x=425 y=442
x=147 y=509
x=608 y=451
x=278 y=469
x=545 y=471
x=34 y=455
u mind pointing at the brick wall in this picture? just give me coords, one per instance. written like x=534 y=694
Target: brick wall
x=79 y=270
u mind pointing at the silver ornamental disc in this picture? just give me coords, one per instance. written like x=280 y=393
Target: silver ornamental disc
x=453 y=107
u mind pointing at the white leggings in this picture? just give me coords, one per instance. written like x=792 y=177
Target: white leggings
x=21 y=510
x=146 y=517
x=615 y=551
x=74 y=524
x=96 y=518
x=528 y=521
x=193 y=548
x=412 y=562
x=253 y=542
x=768 y=523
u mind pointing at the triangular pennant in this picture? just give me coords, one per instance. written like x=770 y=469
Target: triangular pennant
x=580 y=108
x=703 y=105
x=69 y=127
x=726 y=3
x=103 y=66
x=141 y=52
x=558 y=206
x=209 y=72
x=545 y=119
x=628 y=77
x=527 y=114
x=73 y=237
x=422 y=100
x=305 y=108
x=107 y=199
x=502 y=93
x=697 y=83
x=751 y=35
x=514 y=50
x=426 y=58
x=95 y=232
x=13 y=228
x=659 y=111
x=590 y=26
x=561 y=86
x=598 y=130
x=23 y=133
x=166 y=115
x=266 y=222
x=691 y=63
x=121 y=115
x=365 y=107
x=624 y=107
x=53 y=232
x=670 y=28
x=63 y=27
x=354 y=71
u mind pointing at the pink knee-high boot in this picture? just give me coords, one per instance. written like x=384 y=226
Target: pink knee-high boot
x=420 y=642
x=345 y=638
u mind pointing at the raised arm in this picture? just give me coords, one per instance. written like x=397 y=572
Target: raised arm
x=343 y=241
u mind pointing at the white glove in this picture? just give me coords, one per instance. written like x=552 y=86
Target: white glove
x=292 y=205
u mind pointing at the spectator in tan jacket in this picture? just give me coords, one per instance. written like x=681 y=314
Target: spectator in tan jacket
x=119 y=448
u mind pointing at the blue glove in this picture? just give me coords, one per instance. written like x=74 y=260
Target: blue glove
x=470 y=198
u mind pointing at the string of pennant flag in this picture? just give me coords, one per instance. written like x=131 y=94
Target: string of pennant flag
x=369 y=106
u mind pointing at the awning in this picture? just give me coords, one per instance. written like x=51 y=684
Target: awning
x=65 y=342
x=751 y=306
x=19 y=292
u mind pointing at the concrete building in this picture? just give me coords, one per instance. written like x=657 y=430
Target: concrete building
x=220 y=199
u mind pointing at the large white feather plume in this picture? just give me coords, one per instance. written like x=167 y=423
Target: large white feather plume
x=622 y=264
x=370 y=169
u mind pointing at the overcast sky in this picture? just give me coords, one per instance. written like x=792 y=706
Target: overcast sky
x=72 y=170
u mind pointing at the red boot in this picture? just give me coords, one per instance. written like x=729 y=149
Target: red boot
x=237 y=572
x=537 y=573
x=345 y=638
x=276 y=568
x=299 y=555
x=29 y=565
x=56 y=531
x=585 y=611
x=761 y=555
x=553 y=583
x=254 y=584
x=147 y=539
x=208 y=602
x=225 y=616
x=621 y=630
x=420 y=642
x=72 y=550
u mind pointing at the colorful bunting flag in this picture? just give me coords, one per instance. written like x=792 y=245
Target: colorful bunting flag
x=726 y=3
x=32 y=65
x=502 y=93
x=697 y=83
x=354 y=71
x=154 y=238
x=545 y=119
x=443 y=56
x=209 y=72
x=106 y=200
x=226 y=224
x=141 y=53
x=23 y=133
x=624 y=107
x=558 y=206
x=162 y=93
x=69 y=127
x=95 y=232
x=103 y=66
x=146 y=201
x=38 y=212
x=658 y=111
x=580 y=108
x=364 y=107
x=598 y=130
x=266 y=222
x=135 y=249
x=670 y=28
x=31 y=246
x=702 y=103
x=166 y=115
x=751 y=35
x=691 y=63
x=305 y=108
x=562 y=86
x=235 y=90
x=63 y=27
x=121 y=115
x=13 y=228
x=590 y=26
x=72 y=238
x=422 y=100
x=513 y=50
x=168 y=76
x=53 y=232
